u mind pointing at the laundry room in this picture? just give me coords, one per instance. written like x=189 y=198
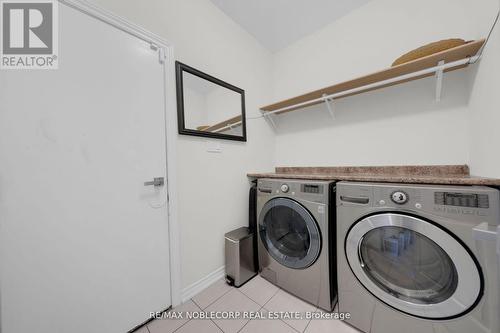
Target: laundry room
x=249 y=166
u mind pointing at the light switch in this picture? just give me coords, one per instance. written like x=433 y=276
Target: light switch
x=214 y=147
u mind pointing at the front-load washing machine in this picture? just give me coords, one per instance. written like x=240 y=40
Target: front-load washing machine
x=408 y=260
x=296 y=238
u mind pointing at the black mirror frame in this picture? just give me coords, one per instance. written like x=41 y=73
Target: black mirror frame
x=179 y=69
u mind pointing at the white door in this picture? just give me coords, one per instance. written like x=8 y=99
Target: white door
x=84 y=244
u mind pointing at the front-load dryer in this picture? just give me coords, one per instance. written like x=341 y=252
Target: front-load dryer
x=296 y=238
x=409 y=260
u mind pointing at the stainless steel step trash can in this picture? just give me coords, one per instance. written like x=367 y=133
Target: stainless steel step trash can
x=240 y=264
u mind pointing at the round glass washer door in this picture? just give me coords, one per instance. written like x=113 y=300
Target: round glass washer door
x=289 y=233
x=413 y=266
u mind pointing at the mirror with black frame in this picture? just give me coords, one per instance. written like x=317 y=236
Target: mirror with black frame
x=209 y=107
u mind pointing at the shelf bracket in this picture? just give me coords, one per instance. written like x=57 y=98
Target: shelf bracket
x=269 y=119
x=229 y=126
x=330 y=105
x=439 y=81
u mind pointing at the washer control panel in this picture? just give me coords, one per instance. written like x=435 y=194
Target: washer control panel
x=399 y=197
x=312 y=191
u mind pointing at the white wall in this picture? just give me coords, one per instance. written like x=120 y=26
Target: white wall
x=212 y=187
x=398 y=125
x=485 y=112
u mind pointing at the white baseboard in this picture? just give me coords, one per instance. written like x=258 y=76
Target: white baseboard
x=195 y=288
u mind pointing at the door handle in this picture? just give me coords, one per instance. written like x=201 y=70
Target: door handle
x=357 y=200
x=158 y=181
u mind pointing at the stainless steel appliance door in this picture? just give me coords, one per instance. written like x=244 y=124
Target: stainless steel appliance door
x=289 y=233
x=413 y=266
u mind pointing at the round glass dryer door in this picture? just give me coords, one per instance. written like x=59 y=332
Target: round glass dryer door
x=413 y=266
x=289 y=233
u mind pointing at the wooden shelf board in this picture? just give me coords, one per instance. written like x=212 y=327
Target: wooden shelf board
x=450 y=55
x=222 y=124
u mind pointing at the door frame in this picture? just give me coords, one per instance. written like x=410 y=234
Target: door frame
x=165 y=51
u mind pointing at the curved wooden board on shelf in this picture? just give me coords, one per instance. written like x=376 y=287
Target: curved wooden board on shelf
x=450 y=55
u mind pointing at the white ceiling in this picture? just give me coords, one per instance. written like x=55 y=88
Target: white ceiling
x=278 y=23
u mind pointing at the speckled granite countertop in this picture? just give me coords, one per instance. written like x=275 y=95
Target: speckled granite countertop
x=416 y=174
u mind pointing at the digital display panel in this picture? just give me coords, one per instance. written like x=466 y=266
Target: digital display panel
x=310 y=188
x=470 y=200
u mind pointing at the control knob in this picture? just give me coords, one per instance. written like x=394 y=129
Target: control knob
x=399 y=197
x=284 y=188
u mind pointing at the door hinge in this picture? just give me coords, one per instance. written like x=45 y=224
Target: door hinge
x=161 y=52
x=162 y=55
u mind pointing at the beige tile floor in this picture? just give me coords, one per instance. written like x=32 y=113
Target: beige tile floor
x=256 y=296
